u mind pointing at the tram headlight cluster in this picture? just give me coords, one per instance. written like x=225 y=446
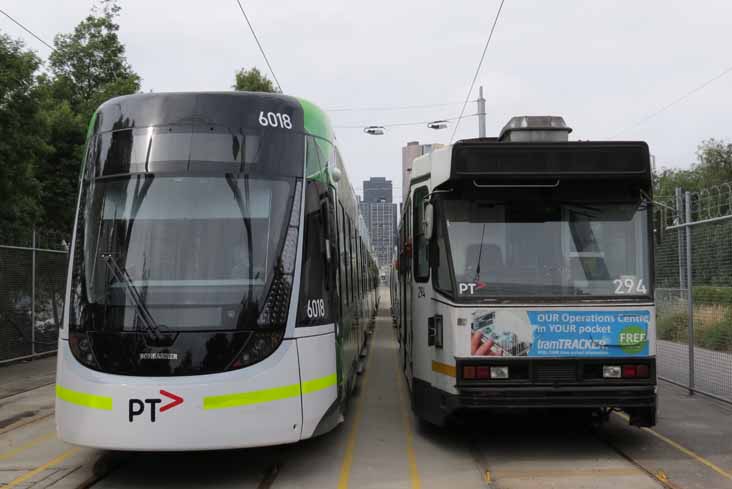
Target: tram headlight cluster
x=82 y=349
x=641 y=371
x=484 y=372
x=259 y=346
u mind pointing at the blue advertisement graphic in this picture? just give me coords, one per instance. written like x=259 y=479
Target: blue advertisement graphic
x=589 y=333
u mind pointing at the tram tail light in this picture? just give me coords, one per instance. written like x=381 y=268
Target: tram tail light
x=629 y=371
x=642 y=371
x=482 y=372
x=469 y=372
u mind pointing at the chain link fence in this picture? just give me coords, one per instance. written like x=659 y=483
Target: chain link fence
x=32 y=288
x=694 y=254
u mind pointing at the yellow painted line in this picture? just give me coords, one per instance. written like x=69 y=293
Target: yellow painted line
x=414 y=480
x=443 y=368
x=83 y=399
x=345 y=473
x=36 y=441
x=684 y=450
x=554 y=473
x=51 y=463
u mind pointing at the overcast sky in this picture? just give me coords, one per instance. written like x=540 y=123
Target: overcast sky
x=603 y=65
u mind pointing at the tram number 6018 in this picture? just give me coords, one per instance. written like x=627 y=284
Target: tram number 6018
x=275 y=119
x=316 y=308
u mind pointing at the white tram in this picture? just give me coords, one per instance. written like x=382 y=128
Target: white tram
x=526 y=277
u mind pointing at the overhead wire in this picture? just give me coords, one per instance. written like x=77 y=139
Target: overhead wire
x=391 y=108
x=400 y=124
x=261 y=49
x=678 y=100
x=27 y=30
x=477 y=70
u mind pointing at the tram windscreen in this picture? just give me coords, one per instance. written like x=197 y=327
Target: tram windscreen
x=543 y=248
x=192 y=248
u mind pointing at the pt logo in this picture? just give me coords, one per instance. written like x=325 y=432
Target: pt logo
x=471 y=287
x=137 y=406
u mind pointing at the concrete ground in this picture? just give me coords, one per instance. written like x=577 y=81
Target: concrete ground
x=381 y=445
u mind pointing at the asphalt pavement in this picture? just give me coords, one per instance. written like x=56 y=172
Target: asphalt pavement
x=381 y=445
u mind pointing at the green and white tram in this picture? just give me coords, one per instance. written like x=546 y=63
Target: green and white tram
x=221 y=280
x=526 y=278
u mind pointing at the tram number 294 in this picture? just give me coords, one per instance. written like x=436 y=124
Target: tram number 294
x=275 y=119
x=316 y=308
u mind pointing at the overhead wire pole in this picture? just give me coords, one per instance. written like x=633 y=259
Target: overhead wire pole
x=27 y=30
x=477 y=71
x=261 y=49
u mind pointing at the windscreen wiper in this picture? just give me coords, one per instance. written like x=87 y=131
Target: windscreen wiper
x=122 y=276
x=480 y=255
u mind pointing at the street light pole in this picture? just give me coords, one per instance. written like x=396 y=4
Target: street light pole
x=481 y=113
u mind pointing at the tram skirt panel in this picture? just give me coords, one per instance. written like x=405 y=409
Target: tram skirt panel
x=256 y=406
x=319 y=384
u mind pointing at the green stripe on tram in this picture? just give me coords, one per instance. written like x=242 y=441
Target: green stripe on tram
x=268 y=395
x=84 y=399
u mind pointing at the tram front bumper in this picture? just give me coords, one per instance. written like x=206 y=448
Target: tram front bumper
x=560 y=396
x=243 y=408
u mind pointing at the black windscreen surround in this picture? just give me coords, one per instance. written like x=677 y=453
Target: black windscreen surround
x=186 y=233
x=481 y=159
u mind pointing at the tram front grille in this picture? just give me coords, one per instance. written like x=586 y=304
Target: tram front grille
x=554 y=373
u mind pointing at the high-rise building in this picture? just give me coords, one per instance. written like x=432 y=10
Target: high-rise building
x=380 y=216
x=382 y=230
x=377 y=189
x=409 y=152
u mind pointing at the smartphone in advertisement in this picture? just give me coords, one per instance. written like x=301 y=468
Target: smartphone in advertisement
x=505 y=342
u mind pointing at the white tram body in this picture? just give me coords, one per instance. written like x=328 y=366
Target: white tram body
x=525 y=276
x=221 y=279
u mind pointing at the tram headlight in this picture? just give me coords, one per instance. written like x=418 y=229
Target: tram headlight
x=611 y=371
x=81 y=348
x=260 y=346
x=499 y=372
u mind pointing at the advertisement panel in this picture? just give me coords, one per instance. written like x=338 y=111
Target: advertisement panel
x=560 y=333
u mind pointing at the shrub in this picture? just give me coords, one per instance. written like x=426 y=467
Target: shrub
x=712 y=295
x=673 y=327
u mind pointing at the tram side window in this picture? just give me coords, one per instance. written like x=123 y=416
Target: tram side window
x=315 y=298
x=343 y=257
x=351 y=259
x=421 y=263
x=439 y=257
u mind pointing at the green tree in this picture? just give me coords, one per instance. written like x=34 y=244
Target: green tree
x=87 y=67
x=22 y=142
x=252 y=80
x=713 y=167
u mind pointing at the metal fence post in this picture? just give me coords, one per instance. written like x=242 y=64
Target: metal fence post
x=690 y=294
x=680 y=218
x=33 y=294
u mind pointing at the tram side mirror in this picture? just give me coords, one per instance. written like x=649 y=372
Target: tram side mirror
x=428 y=221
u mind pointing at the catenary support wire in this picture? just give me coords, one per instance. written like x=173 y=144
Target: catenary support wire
x=477 y=70
x=261 y=49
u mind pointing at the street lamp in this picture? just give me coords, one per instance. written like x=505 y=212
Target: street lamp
x=374 y=130
x=437 y=124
